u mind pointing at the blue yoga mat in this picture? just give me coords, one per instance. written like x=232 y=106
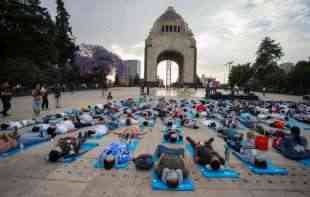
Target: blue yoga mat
x=208 y=173
x=86 y=147
x=305 y=163
x=133 y=145
x=157 y=184
x=270 y=170
x=27 y=146
x=292 y=122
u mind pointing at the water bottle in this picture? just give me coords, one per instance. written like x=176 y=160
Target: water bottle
x=21 y=146
x=227 y=155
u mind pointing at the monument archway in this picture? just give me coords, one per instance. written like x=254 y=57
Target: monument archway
x=171 y=39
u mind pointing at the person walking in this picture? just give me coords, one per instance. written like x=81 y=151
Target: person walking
x=36 y=101
x=57 y=94
x=44 y=94
x=6 y=97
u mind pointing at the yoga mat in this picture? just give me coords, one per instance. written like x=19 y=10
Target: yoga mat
x=157 y=184
x=270 y=170
x=31 y=144
x=293 y=122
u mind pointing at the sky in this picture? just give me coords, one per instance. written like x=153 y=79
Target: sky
x=225 y=30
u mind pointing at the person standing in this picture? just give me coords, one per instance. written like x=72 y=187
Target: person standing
x=6 y=96
x=44 y=94
x=57 y=94
x=36 y=101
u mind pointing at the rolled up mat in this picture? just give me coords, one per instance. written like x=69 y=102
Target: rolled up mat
x=270 y=170
x=157 y=184
x=208 y=173
x=86 y=147
x=29 y=140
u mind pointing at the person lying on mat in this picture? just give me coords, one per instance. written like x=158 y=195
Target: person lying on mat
x=173 y=136
x=115 y=153
x=293 y=146
x=13 y=140
x=247 y=150
x=8 y=142
x=66 y=126
x=204 y=154
x=172 y=170
x=190 y=123
x=68 y=146
x=130 y=133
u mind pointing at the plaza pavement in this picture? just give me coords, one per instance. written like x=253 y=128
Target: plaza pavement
x=28 y=174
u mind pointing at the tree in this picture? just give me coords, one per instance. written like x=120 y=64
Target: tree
x=64 y=38
x=268 y=53
x=299 y=78
x=27 y=39
x=240 y=75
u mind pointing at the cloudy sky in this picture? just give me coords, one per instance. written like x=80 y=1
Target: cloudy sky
x=225 y=30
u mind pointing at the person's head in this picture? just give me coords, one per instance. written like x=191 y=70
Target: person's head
x=250 y=135
x=172 y=179
x=109 y=162
x=54 y=156
x=215 y=163
x=37 y=86
x=51 y=131
x=169 y=124
x=173 y=137
x=295 y=131
x=128 y=122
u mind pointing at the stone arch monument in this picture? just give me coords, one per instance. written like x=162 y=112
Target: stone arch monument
x=170 y=39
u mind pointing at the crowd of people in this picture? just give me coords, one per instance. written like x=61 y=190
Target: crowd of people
x=237 y=122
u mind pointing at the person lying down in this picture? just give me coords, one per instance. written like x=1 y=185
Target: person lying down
x=205 y=155
x=130 y=133
x=171 y=169
x=68 y=146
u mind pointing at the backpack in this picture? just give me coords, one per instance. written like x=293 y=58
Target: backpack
x=144 y=162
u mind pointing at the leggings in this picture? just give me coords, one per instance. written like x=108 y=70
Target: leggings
x=45 y=104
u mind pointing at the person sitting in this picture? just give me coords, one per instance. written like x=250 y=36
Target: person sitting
x=68 y=146
x=204 y=154
x=293 y=146
x=171 y=169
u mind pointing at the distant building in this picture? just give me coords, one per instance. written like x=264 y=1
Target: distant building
x=287 y=67
x=132 y=68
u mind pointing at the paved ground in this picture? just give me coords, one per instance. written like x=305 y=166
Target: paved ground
x=28 y=174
